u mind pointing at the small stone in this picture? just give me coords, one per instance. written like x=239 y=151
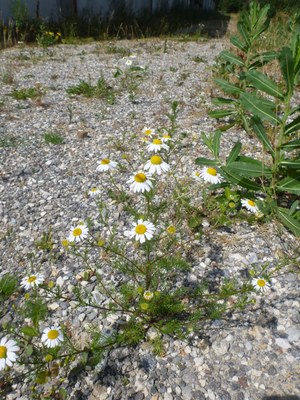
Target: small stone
x=220 y=348
x=152 y=334
x=283 y=343
x=178 y=390
x=293 y=333
x=139 y=396
x=53 y=306
x=186 y=393
x=272 y=370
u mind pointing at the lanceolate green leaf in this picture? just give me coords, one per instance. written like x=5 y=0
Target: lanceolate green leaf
x=238 y=43
x=239 y=180
x=243 y=32
x=29 y=331
x=287 y=68
x=220 y=113
x=293 y=164
x=228 y=87
x=232 y=58
x=262 y=82
x=206 y=161
x=216 y=143
x=290 y=184
x=217 y=101
x=262 y=59
x=261 y=133
x=262 y=20
x=290 y=146
x=289 y=221
x=293 y=126
x=259 y=108
x=235 y=151
x=249 y=169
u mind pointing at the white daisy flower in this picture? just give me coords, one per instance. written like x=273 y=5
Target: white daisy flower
x=128 y=63
x=148 y=131
x=8 y=349
x=196 y=175
x=140 y=182
x=78 y=232
x=156 y=165
x=106 y=164
x=32 y=281
x=148 y=295
x=51 y=337
x=260 y=284
x=157 y=145
x=142 y=231
x=94 y=192
x=210 y=175
x=250 y=205
x=166 y=138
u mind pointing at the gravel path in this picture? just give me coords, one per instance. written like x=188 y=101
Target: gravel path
x=255 y=355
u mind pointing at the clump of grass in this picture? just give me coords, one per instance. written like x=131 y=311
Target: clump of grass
x=8 y=284
x=83 y=88
x=53 y=138
x=26 y=93
x=9 y=141
x=123 y=51
x=102 y=90
x=198 y=59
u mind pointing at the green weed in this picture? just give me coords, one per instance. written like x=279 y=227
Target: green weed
x=53 y=138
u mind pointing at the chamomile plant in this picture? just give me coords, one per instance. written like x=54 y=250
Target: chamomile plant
x=132 y=256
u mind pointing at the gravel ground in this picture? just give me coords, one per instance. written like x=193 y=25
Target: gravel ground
x=255 y=355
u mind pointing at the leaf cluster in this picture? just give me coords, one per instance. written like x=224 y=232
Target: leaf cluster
x=264 y=107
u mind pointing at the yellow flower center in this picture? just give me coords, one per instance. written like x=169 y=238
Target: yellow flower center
x=166 y=136
x=3 y=351
x=171 y=229
x=211 y=171
x=94 y=190
x=105 y=161
x=148 y=132
x=65 y=243
x=261 y=282
x=156 y=160
x=31 y=279
x=251 y=203
x=52 y=334
x=77 y=232
x=157 y=141
x=140 y=229
x=197 y=174
x=148 y=295
x=140 y=177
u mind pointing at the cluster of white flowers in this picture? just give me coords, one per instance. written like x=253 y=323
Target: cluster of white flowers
x=51 y=337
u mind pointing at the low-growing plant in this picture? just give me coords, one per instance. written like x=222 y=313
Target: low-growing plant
x=131 y=75
x=102 y=90
x=26 y=93
x=135 y=270
x=83 y=88
x=47 y=38
x=8 y=141
x=263 y=105
x=123 y=51
x=53 y=138
x=8 y=285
